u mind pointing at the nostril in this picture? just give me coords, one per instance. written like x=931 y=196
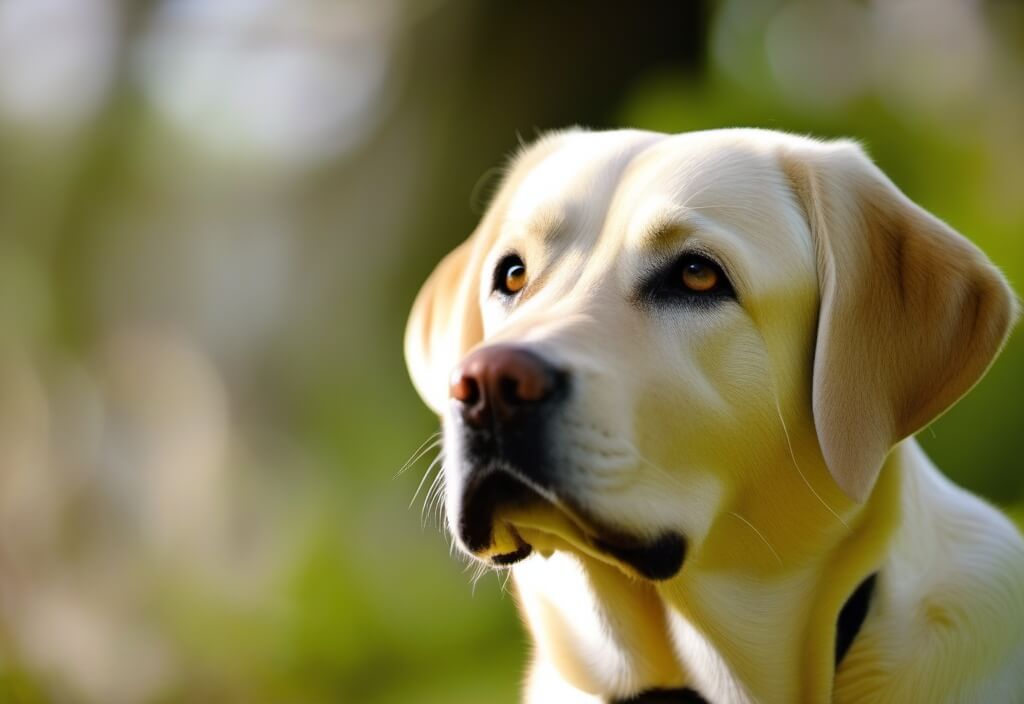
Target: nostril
x=464 y=388
x=534 y=385
x=523 y=387
x=509 y=388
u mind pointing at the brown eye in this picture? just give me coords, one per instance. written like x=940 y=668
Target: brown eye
x=692 y=279
x=699 y=275
x=510 y=276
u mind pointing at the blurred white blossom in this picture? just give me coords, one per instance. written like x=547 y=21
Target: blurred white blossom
x=56 y=60
x=287 y=81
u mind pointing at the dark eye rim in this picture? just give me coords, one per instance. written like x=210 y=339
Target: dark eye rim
x=665 y=285
x=501 y=270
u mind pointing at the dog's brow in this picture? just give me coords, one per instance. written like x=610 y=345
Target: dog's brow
x=664 y=232
x=548 y=223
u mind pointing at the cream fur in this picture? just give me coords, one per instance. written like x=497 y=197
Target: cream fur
x=773 y=432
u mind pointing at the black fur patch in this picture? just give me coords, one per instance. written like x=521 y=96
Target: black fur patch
x=665 y=696
x=852 y=616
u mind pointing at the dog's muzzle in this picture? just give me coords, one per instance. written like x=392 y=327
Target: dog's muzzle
x=505 y=399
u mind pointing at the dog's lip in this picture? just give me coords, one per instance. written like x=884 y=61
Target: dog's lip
x=657 y=558
x=511 y=558
x=538 y=519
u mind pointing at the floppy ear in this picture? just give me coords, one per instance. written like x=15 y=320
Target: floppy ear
x=911 y=313
x=445 y=322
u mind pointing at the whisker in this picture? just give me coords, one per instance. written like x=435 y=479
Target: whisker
x=427 y=500
x=504 y=582
x=446 y=522
x=435 y=463
x=427 y=445
x=442 y=517
x=481 y=570
x=792 y=456
x=437 y=516
x=434 y=494
x=759 y=535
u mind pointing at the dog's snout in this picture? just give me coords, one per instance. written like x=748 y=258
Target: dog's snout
x=500 y=382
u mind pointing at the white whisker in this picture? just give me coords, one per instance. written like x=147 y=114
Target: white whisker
x=792 y=456
x=481 y=570
x=432 y=495
x=436 y=508
x=427 y=445
x=435 y=463
x=759 y=535
x=504 y=582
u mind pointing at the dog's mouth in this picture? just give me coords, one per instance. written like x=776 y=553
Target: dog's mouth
x=504 y=518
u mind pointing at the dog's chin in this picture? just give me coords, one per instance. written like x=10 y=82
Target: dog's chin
x=505 y=518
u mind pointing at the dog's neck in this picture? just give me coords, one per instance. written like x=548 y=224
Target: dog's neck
x=774 y=631
x=770 y=616
x=751 y=617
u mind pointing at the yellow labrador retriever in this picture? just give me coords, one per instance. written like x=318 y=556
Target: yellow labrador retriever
x=678 y=378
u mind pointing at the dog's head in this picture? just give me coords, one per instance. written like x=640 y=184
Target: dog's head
x=646 y=331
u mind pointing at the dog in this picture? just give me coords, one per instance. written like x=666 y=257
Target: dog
x=679 y=378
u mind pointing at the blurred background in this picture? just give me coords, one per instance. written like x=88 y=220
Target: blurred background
x=214 y=215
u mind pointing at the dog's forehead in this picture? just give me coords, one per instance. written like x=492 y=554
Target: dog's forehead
x=627 y=185
x=574 y=182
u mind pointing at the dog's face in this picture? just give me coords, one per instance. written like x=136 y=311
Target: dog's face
x=647 y=332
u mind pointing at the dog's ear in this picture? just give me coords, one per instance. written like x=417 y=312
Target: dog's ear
x=911 y=313
x=445 y=321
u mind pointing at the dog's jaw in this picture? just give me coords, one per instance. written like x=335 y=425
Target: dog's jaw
x=502 y=516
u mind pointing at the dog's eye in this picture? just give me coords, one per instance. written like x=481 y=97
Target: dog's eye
x=510 y=275
x=692 y=277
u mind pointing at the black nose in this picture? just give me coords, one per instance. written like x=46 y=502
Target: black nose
x=502 y=383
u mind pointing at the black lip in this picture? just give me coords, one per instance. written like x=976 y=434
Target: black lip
x=488 y=489
x=656 y=560
x=512 y=558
